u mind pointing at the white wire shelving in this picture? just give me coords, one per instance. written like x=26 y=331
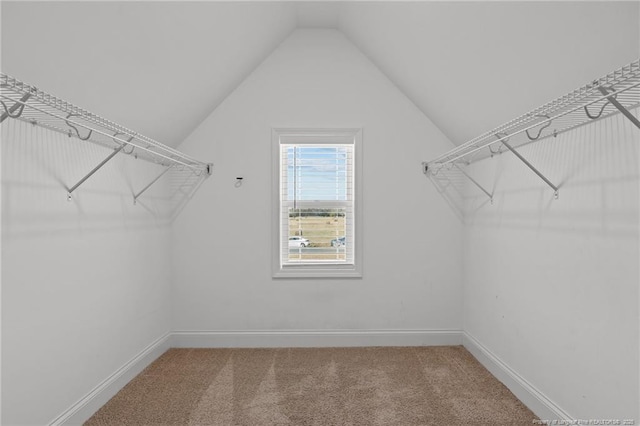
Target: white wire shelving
x=616 y=92
x=24 y=102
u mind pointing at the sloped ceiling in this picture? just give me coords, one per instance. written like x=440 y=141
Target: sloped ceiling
x=472 y=66
x=161 y=67
x=158 y=68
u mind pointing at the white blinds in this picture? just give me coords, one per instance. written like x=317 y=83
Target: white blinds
x=316 y=203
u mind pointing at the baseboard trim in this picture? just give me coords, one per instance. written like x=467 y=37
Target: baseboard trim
x=530 y=396
x=314 y=338
x=539 y=403
x=82 y=410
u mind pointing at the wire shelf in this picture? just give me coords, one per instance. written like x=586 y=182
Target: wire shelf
x=27 y=103
x=594 y=101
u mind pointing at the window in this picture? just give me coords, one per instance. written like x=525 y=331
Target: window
x=317 y=198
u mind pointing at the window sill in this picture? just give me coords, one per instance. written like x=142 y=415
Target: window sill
x=306 y=272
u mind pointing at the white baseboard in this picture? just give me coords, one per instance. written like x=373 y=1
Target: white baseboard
x=82 y=410
x=537 y=402
x=314 y=338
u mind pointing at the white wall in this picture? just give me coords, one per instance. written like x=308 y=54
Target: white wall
x=551 y=286
x=222 y=240
x=85 y=284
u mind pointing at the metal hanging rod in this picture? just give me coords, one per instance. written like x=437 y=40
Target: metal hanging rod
x=27 y=103
x=153 y=155
x=618 y=91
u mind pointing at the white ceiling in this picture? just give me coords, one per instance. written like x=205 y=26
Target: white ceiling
x=472 y=66
x=314 y=14
x=158 y=68
x=161 y=67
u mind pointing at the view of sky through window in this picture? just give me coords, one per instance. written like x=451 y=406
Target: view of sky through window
x=317 y=173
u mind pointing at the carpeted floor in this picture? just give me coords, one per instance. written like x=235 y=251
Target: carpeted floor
x=402 y=386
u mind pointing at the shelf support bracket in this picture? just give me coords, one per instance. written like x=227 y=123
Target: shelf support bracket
x=18 y=105
x=536 y=137
x=501 y=137
x=620 y=107
x=528 y=164
x=82 y=138
x=475 y=182
x=136 y=196
x=95 y=169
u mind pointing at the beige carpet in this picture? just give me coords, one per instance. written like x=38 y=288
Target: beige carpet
x=321 y=386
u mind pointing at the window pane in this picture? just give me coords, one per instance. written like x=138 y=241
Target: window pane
x=316 y=173
x=317 y=234
x=317 y=224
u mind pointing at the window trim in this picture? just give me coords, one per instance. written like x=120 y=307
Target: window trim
x=285 y=135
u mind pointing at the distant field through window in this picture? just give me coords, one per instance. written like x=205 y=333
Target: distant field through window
x=317 y=234
x=317 y=203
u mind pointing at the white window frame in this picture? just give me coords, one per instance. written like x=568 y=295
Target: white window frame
x=316 y=270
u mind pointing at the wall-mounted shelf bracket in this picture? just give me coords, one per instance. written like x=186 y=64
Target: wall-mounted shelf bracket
x=28 y=104
x=475 y=182
x=537 y=136
x=9 y=112
x=619 y=106
x=501 y=136
x=95 y=169
x=616 y=92
x=136 y=196
x=528 y=164
x=82 y=138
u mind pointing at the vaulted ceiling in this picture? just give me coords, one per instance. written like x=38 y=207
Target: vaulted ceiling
x=161 y=67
